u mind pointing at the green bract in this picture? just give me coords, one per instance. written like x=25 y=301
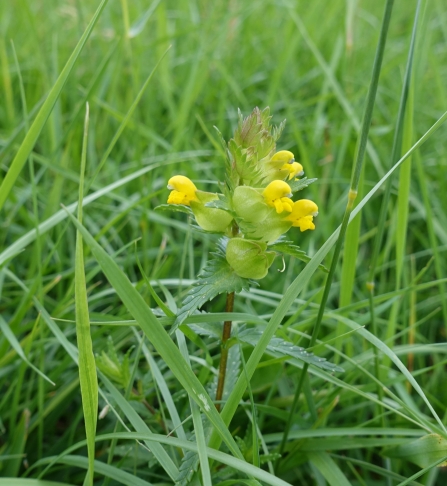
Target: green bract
x=210 y=219
x=249 y=259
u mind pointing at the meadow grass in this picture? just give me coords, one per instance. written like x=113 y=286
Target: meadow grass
x=105 y=283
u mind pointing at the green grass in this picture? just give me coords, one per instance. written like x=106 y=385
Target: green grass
x=158 y=76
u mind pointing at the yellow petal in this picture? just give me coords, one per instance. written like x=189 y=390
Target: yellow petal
x=276 y=193
x=302 y=214
x=184 y=190
x=283 y=156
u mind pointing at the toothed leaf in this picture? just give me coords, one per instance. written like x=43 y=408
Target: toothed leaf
x=216 y=278
x=251 y=336
x=180 y=208
x=288 y=248
x=300 y=184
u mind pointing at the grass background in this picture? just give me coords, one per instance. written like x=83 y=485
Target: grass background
x=223 y=56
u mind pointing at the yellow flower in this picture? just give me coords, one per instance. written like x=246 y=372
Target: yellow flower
x=288 y=163
x=295 y=169
x=302 y=214
x=283 y=156
x=277 y=195
x=183 y=190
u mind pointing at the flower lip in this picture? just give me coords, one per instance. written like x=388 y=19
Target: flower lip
x=170 y=187
x=289 y=195
x=300 y=173
x=291 y=161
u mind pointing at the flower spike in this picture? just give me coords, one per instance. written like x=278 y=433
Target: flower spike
x=277 y=195
x=183 y=190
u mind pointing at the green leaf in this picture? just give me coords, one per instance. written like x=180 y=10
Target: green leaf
x=18 y=246
x=179 y=208
x=220 y=203
x=188 y=466
x=288 y=248
x=33 y=133
x=9 y=335
x=29 y=482
x=328 y=468
x=87 y=366
x=235 y=463
x=252 y=336
x=217 y=277
x=107 y=470
x=17 y=446
x=300 y=184
x=201 y=438
x=140 y=426
x=423 y=451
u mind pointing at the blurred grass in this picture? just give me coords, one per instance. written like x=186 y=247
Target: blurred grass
x=224 y=56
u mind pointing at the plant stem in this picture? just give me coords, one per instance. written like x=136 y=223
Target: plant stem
x=226 y=333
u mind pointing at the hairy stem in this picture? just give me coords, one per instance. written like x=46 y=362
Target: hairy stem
x=229 y=305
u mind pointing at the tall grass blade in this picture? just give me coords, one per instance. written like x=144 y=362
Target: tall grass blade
x=33 y=133
x=299 y=283
x=157 y=336
x=87 y=365
x=357 y=170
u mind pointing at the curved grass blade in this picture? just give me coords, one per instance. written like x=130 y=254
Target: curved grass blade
x=140 y=426
x=33 y=133
x=297 y=286
x=158 y=336
x=105 y=469
x=125 y=121
x=52 y=221
x=9 y=335
x=328 y=468
x=223 y=458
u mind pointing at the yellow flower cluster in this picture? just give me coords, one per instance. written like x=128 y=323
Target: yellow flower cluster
x=277 y=194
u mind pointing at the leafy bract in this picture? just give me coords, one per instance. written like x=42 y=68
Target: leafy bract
x=289 y=248
x=217 y=277
x=300 y=184
x=180 y=208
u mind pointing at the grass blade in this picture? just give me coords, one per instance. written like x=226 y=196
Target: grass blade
x=33 y=133
x=158 y=336
x=87 y=365
x=29 y=482
x=9 y=335
x=235 y=463
x=326 y=465
x=299 y=283
x=197 y=419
